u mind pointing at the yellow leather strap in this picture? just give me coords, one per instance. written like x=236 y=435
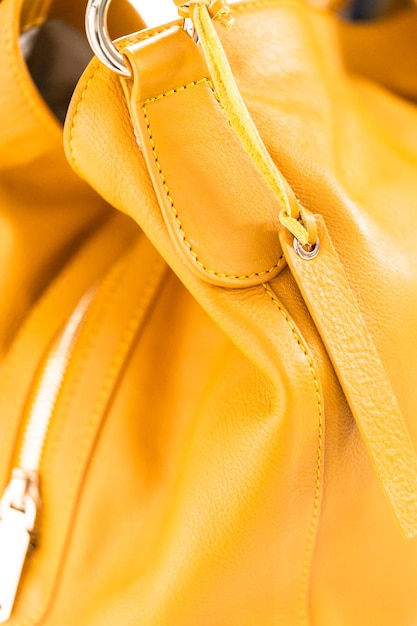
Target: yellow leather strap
x=362 y=376
x=239 y=118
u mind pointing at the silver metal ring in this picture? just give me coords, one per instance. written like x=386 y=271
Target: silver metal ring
x=304 y=253
x=99 y=38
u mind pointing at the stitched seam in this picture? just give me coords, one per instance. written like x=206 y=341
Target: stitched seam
x=75 y=484
x=188 y=245
x=51 y=570
x=100 y=409
x=174 y=210
x=54 y=566
x=55 y=561
x=38 y=311
x=171 y=92
x=303 y=591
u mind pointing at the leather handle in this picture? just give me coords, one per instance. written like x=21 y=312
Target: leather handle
x=23 y=106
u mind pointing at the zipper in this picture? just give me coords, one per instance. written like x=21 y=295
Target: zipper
x=21 y=499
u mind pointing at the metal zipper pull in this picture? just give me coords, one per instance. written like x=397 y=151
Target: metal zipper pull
x=18 y=510
x=19 y=504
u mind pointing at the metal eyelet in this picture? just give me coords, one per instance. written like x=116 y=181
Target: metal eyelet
x=305 y=253
x=99 y=38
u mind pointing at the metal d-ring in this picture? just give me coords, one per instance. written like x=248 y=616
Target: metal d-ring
x=99 y=38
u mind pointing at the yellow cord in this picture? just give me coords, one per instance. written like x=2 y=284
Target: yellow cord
x=296 y=219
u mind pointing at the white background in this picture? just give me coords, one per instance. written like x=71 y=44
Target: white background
x=156 y=12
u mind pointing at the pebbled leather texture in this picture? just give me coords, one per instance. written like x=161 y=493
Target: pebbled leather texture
x=203 y=464
x=329 y=133
x=332 y=305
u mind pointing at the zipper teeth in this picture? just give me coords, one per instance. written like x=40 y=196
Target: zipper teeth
x=48 y=389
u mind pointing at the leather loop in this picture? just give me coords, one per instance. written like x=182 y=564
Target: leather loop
x=228 y=232
x=304 y=228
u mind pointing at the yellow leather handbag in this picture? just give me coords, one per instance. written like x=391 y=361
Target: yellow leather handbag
x=208 y=407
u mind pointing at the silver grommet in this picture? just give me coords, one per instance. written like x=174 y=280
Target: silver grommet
x=99 y=38
x=304 y=252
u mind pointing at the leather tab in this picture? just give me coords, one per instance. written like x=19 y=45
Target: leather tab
x=332 y=304
x=220 y=213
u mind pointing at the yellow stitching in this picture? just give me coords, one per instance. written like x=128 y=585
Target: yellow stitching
x=142 y=37
x=194 y=83
x=186 y=242
x=170 y=200
x=303 y=618
x=54 y=567
x=76 y=484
